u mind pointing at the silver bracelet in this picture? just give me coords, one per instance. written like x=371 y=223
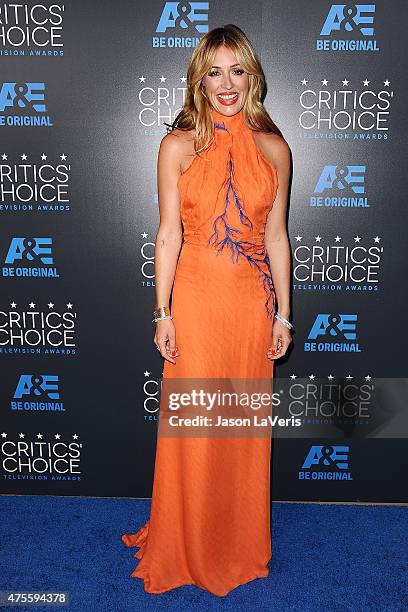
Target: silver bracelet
x=283 y=320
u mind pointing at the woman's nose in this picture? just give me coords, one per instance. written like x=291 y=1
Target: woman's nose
x=226 y=81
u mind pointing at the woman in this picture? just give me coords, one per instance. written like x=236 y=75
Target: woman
x=223 y=174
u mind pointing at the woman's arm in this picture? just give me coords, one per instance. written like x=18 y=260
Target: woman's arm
x=169 y=234
x=276 y=237
x=168 y=239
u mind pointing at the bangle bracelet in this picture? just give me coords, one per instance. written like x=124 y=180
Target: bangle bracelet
x=161 y=313
x=283 y=320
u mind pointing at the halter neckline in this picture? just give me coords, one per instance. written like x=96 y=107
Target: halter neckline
x=231 y=122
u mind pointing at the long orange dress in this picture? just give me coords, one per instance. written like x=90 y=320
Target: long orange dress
x=209 y=521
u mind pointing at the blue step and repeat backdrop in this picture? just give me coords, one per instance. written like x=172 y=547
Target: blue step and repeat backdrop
x=86 y=88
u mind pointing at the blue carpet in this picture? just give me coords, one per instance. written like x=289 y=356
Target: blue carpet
x=326 y=558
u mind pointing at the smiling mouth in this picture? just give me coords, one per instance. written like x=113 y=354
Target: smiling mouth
x=227 y=99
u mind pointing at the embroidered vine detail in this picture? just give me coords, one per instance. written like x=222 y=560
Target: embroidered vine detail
x=220 y=126
x=253 y=253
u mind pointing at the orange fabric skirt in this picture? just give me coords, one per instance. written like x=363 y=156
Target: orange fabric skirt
x=210 y=513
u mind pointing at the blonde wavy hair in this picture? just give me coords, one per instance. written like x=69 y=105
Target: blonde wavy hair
x=196 y=111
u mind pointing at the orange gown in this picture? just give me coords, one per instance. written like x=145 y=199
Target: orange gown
x=210 y=516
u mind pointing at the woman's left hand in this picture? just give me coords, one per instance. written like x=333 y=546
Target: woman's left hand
x=281 y=339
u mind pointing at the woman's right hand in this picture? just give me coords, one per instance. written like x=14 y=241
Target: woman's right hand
x=165 y=339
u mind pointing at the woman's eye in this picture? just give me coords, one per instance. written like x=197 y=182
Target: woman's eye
x=237 y=71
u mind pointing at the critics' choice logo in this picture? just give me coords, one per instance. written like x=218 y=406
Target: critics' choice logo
x=32 y=30
x=348 y=111
x=180 y=24
x=151 y=397
x=147 y=265
x=331 y=401
x=348 y=27
x=37 y=393
x=40 y=186
x=324 y=264
x=333 y=333
x=159 y=103
x=326 y=462
x=38 y=331
x=340 y=186
x=41 y=456
x=23 y=104
x=30 y=257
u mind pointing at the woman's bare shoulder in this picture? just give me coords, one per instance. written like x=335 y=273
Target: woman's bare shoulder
x=177 y=146
x=178 y=137
x=273 y=146
x=177 y=140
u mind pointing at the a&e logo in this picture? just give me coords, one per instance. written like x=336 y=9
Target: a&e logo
x=348 y=27
x=38 y=393
x=326 y=463
x=347 y=181
x=23 y=104
x=334 y=333
x=36 y=253
x=186 y=17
